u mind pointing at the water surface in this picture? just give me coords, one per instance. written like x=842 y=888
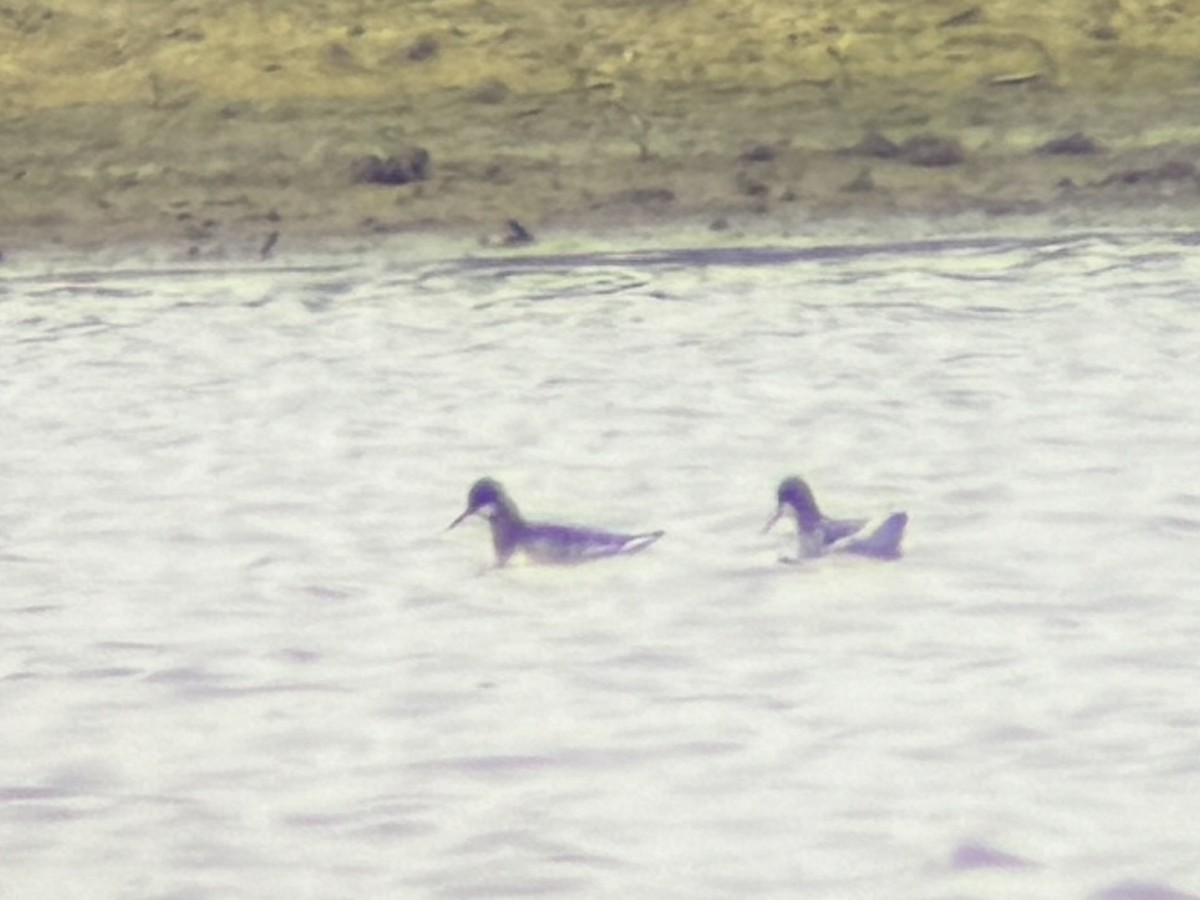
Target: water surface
x=242 y=658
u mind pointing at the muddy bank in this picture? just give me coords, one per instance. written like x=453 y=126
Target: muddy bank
x=237 y=125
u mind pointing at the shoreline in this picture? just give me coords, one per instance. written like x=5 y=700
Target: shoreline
x=288 y=125
x=762 y=241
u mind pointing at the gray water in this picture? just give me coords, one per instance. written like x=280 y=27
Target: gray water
x=242 y=657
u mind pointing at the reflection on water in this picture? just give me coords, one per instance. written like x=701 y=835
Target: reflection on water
x=241 y=654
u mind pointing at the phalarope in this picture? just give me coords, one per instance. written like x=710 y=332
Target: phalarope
x=819 y=534
x=541 y=543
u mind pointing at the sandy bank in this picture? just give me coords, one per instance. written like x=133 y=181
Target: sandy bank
x=218 y=125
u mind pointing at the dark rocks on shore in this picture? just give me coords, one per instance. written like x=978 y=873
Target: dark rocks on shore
x=874 y=144
x=1076 y=144
x=927 y=150
x=516 y=234
x=931 y=151
x=759 y=153
x=236 y=110
x=750 y=187
x=423 y=48
x=970 y=16
x=1171 y=171
x=392 y=170
x=1104 y=33
x=491 y=92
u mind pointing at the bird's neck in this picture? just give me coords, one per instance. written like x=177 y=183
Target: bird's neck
x=507 y=526
x=808 y=517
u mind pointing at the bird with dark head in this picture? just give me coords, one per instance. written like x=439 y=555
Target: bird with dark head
x=794 y=496
x=487 y=498
x=819 y=534
x=543 y=543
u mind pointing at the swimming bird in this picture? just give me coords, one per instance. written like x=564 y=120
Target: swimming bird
x=819 y=534
x=559 y=544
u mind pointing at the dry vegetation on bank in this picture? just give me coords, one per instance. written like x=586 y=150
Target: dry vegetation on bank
x=217 y=123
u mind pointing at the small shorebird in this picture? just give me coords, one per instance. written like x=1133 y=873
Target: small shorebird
x=541 y=543
x=818 y=534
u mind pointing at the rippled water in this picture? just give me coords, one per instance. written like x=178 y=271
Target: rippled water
x=243 y=659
